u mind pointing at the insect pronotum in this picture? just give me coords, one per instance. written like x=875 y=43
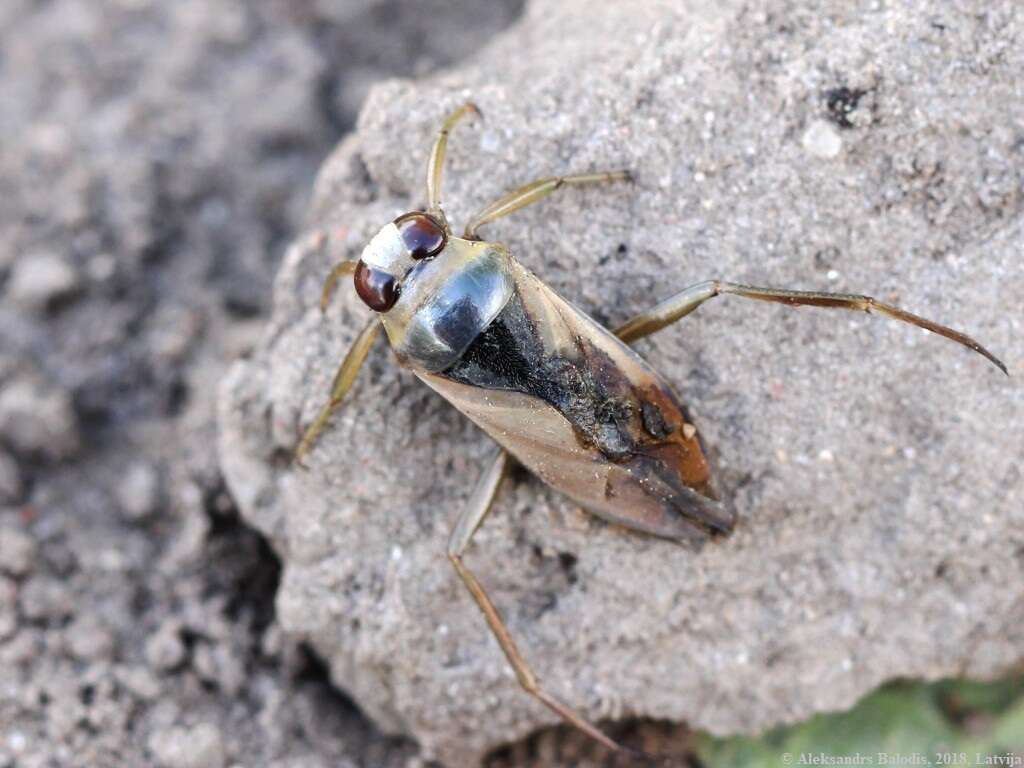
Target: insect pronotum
x=558 y=392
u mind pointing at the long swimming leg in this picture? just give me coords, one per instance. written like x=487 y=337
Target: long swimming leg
x=683 y=303
x=472 y=516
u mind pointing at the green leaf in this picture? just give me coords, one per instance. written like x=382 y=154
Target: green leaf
x=952 y=723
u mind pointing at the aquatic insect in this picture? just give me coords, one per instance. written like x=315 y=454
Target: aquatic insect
x=561 y=394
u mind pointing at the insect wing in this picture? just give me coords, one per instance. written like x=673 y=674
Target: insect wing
x=586 y=414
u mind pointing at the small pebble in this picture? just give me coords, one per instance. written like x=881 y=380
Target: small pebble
x=39 y=279
x=43 y=598
x=88 y=639
x=38 y=419
x=16 y=741
x=102 y=267
x=216 y=664
x=21 y=649
x=164 y=648
x=138 y=492
x=139 y=681
x=198 y=747
x=17 y=551
x=822 y=140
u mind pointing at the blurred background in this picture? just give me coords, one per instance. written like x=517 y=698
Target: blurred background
x=155 y=160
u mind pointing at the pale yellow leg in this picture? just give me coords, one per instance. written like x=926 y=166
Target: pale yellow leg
x=472 y=516
x=535 y=191
x=683 y=303
x=343 y=381
x=435 y=164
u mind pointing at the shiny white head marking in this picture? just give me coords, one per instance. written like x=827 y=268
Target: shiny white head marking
x=387 y=252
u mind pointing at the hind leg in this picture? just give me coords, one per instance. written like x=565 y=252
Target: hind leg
x=683 y=303
x=472 y=516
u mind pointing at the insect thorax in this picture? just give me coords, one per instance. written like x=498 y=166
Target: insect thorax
x=447 y=302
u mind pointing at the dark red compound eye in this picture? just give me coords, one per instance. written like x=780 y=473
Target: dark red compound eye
x=378 y=290
x=422 y=234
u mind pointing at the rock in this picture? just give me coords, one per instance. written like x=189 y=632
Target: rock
x=88 y=639
x=198 y=747
x=822 y=140
x=164 y=648
x=17 y=551
x=36 y=418
x=215 y=664
x=45 y=599
x=842 y=573
x=138 y=493
x=40 y=279
x=24 y=646
x=139 y=681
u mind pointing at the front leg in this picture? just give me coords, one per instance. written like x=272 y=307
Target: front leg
x=342 y=383
x=435 y=163
x=479 y=505
x=533 y=192
x=683 y=303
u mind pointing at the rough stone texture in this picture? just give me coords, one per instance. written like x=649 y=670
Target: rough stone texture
x=139 y=491
x=876 y=470
x=38 y=419
x=155 y=158
x=198 y=747
x=39 y=279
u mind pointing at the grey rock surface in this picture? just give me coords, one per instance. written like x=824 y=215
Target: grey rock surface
x=876 y=470
x=198 y=747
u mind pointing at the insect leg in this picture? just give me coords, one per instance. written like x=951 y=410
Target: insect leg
x=343 y=380
x=342 y=269
x=531 y=193
x=435 y=164
x=472 y=516
x=683 y=303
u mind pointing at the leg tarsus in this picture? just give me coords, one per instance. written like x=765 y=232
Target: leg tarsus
x=535 y=191
x=683 y=303
x=469 y=521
